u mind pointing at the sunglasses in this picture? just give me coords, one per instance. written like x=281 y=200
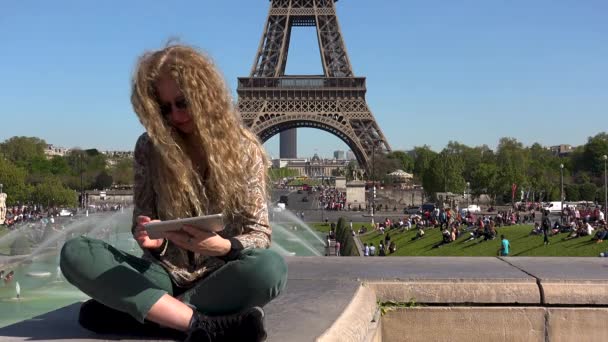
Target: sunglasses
x=167 y=108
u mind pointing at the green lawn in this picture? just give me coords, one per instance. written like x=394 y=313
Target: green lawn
x=522 y=244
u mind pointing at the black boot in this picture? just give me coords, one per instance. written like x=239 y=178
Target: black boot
x=101 y=319
x=243 y=327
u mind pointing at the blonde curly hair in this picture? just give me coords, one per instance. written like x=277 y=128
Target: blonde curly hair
x=181 y=189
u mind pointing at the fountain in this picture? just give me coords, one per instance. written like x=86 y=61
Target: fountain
x=18 y=290
x=40 y=276
x=288 y=216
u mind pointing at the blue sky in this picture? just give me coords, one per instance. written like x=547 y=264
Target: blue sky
x=470 y=71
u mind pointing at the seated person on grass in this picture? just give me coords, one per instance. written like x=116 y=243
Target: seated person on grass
x=537 y=230
x=600 y=235
x=419 y=234
x=392 y=247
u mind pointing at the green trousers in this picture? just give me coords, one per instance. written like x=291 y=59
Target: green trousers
x=131 y=284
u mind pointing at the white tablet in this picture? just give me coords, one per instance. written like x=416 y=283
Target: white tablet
x=210 y=223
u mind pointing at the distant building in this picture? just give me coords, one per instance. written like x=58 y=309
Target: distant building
x=285 y=162
x=112 y=157
x=315 y=167
x=96 y=197
x=350 y=155
x=339 y=155
x=118 y=154
x=52 y=151
x=561 y=150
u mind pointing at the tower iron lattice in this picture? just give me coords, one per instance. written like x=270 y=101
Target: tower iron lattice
x=271 y=102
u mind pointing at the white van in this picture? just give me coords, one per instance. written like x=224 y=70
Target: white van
x=279 y=208
x=554 y=207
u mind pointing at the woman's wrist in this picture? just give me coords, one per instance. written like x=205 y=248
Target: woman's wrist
x=234 y=251
x=226 y=247
x=160 y=250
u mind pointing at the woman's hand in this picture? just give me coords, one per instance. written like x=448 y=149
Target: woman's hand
x=199 y=241
x=141 y=235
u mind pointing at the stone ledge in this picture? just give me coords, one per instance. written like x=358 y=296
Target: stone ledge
x=575 y=292
x=356 y=322
x=459 y=292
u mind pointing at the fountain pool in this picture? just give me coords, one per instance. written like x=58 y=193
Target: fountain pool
x=43 y=289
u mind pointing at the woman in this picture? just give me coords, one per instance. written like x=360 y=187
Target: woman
x=196 y=158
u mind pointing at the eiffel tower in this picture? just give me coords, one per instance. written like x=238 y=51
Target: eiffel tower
x=271 y=102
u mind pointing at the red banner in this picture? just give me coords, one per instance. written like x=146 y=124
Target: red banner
x=513 y=188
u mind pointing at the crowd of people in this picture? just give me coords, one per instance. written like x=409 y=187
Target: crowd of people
x=18 y=215
x=482 y=227
x=383 y=248
x=332 y=199
x=26 y=213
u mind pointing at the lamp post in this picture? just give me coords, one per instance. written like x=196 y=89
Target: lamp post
x=468 y=192
x=320 y=202
x=561 y=170
x=605 y=157
x=373 y=180
x=81 y=180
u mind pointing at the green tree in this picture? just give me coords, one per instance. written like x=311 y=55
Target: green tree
x=423 y=155
x=87 y=164
x=588 y=191
x=51 y=192
x=444 y=174
x=280 y=173
x=485 y=181
x=59 y=166
x=594 y=149
x=572 y=192
x=406 y=162
x=22 y=150
x=543 y=169
x=381 y=166
x=470 y=156
x=103 y=181
x=512 y=162
x=40 y=166
x=13 y=179
x=122 y=171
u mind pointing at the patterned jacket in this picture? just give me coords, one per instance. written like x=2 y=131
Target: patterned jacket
x=252 y=230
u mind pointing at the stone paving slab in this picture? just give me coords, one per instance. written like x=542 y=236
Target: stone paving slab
x=426 y=279
x=308 y=308
x=563 y=269
x=568 y=281
x=302 y=313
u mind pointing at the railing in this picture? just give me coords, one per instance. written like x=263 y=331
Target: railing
x=306 y=82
